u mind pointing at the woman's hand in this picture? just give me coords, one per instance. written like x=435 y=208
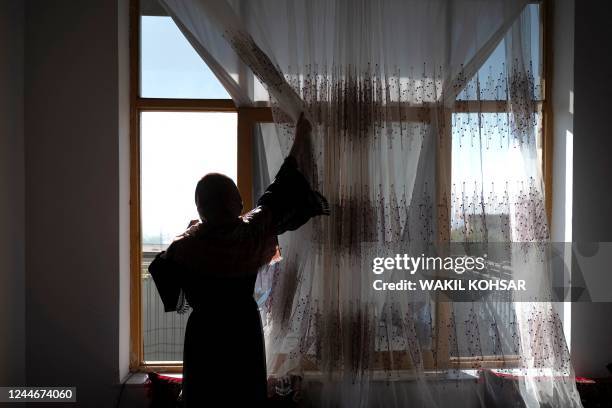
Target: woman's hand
x=302 y=127
x=301 y=149
x=191 y=228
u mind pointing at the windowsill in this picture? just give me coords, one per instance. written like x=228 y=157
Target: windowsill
x=140 y=378
x=406 y=375
x=441 y=375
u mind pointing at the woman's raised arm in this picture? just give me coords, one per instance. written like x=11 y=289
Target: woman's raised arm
x=301 y=149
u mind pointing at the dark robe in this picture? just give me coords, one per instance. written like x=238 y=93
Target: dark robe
x=214 y=268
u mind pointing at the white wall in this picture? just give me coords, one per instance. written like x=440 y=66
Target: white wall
x=12 y=216
x=75 y=127
x=563 y=119
x=562 y=25
x=582 y=168
x=592 y=195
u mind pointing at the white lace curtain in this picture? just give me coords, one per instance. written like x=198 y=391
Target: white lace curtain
x=383 y=83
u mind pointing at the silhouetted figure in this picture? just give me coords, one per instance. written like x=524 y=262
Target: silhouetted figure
x=214 y=265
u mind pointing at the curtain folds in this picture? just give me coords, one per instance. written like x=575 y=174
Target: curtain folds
x=389 y=87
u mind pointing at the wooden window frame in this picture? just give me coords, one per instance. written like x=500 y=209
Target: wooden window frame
x=248 y=117
x=443 y=183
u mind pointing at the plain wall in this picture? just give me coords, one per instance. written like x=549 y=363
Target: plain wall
x=562 y=26
x=12 y=206
x=75 y=126
x=563 y=118
x=592 y=195
x=123 y=107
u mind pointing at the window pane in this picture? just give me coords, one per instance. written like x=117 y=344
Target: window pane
x=486 y=164
x=177 y=149
x=170 y=67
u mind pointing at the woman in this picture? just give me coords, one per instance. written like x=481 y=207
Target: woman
x=214 y=265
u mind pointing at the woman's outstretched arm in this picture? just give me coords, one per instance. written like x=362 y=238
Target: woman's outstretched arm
x=291 y=198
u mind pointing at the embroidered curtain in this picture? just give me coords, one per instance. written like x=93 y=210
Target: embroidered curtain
x=412 y=146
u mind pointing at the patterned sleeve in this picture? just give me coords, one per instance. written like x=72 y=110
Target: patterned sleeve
x=291 y=200
x=167 y=277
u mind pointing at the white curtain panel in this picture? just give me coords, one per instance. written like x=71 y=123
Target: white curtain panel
x=382 y=82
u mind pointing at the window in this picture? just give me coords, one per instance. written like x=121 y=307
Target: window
x=177 y=148
x=481 y=125
x=183 y=125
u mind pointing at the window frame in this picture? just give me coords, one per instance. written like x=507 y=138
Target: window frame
x=248 y=117
x=443 y=184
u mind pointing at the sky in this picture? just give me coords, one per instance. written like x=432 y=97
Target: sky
x=171 y=68
x=177 y=149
